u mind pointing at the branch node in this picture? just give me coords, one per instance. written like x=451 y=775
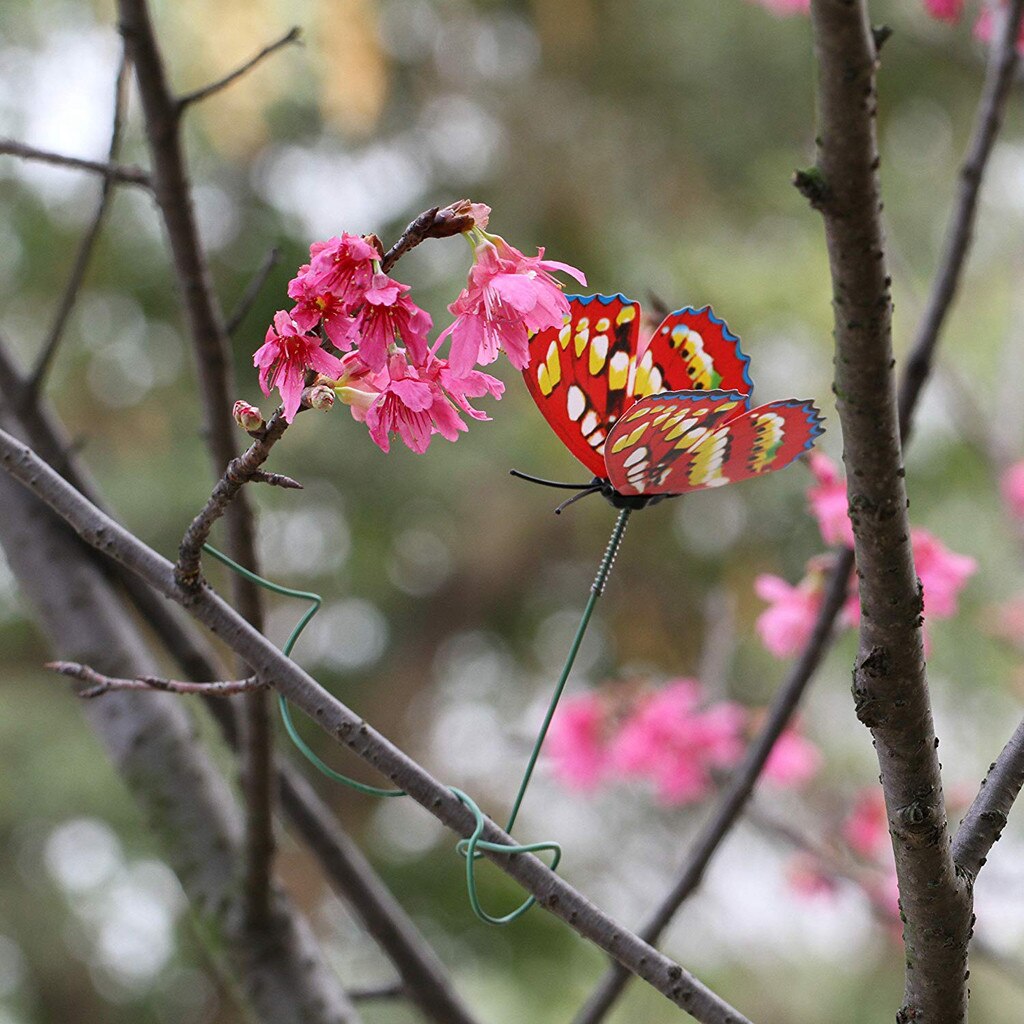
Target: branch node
x=811 y=184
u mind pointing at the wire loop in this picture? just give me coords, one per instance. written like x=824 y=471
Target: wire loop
x=472 y=848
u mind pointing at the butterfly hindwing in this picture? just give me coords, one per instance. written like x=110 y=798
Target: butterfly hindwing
x=692 y=350
x=581 y=375
x=691 y=440
x=648 y=442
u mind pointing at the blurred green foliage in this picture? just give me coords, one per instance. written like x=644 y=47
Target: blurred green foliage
x=650 y=143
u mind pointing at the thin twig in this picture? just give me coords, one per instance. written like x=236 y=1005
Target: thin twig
x=437 y=222
x=252 y=291
x=552 y=892
x=117 y=172
x=890 y=681
x=88 y=243
x=983 y=823
x=100 y=684
x=291 y=36
x=999 y=74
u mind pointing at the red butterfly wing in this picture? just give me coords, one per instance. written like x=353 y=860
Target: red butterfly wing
x=692 y=350
x=691 y=440
x=581 y=375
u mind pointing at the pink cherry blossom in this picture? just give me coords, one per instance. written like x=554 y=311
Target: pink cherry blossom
x=284 y=358
x=507 y=296
x=577 y=742
x=944 y=10
x=1012 y=486
x=672 y=742
x=416 y=402
x=783 y=8
x=385 y=315
x=943 y=573
x=786 y=624
x=314 y=307
x=341 y=267
x=867 y=827
x=793 y=762
x=828 y=501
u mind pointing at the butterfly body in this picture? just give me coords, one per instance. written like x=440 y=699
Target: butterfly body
x=662 y=416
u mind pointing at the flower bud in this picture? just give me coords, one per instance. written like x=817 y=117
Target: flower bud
x=320 y=397
x=247 y=416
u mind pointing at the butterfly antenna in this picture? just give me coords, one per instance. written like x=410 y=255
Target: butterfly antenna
x=592 y=489
x=546 y=483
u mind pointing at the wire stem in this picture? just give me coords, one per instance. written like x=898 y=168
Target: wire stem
x=596 y=590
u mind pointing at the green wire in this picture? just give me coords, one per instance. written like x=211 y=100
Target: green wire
x=472 y=847
x=286 y=715
x=469 y=848
x=596 y=590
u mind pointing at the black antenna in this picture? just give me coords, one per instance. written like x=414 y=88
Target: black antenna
x=548 y=483
x=592 y=489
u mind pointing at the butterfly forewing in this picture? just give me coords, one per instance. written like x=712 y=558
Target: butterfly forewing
x=581 y=376
x=692 y=350
x=691 y=440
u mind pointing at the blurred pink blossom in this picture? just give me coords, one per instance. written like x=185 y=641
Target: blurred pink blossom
x=788 y=621
x=507 y=296
x=983 y=29
x=284 y=358
x=867 y=827
x=828 y=501
x=944 y=10
x=794 y=760
x=578 y=742
x=1012 y=486
x=672 y=742
x=943 y=573
x=808 y=878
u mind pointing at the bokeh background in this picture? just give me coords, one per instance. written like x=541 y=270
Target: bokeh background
x=651 y=143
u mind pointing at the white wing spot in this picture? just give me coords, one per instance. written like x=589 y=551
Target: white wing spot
x=576 y=403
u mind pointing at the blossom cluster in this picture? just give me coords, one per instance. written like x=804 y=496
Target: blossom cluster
x=942 y=10
x=670 y=737
x=787 y=623
x=357 y=328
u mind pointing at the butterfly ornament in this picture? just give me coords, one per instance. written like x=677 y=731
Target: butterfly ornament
x=657 y=418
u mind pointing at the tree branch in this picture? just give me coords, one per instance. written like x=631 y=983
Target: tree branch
x=278 y=977
x=890 y=686
x=88 y=243
x=551 y=891
x=115 y=172
x=985 y=818
x=291 y=36
x=353 y=878
x=210 y=342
